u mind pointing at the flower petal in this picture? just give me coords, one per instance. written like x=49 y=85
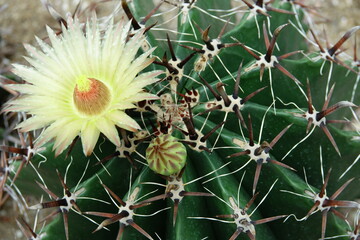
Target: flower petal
x=107 y=127
x=122 y=120
x=65 y=135
x=89 y=138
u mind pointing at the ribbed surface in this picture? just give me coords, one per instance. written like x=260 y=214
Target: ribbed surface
x=166 y=155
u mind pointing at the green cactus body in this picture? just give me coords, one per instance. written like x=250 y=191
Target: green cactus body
x=223 y=122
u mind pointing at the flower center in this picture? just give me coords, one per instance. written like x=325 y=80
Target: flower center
x=91 y=96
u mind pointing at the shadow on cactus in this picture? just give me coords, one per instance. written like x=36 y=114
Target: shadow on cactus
x=151 y=147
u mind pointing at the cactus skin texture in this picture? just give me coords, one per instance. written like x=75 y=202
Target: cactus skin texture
x=218 y=137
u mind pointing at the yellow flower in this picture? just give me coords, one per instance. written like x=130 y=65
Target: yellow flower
x=82 y=84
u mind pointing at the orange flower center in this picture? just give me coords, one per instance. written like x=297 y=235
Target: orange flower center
x=91 y=96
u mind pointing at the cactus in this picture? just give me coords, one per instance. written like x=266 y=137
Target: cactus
x=240 y=101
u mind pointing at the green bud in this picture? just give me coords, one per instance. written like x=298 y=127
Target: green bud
x=166 y=155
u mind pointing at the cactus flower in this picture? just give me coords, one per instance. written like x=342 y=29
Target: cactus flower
x=82 y=83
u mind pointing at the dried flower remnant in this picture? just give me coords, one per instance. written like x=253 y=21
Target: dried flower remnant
x=82 y=84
